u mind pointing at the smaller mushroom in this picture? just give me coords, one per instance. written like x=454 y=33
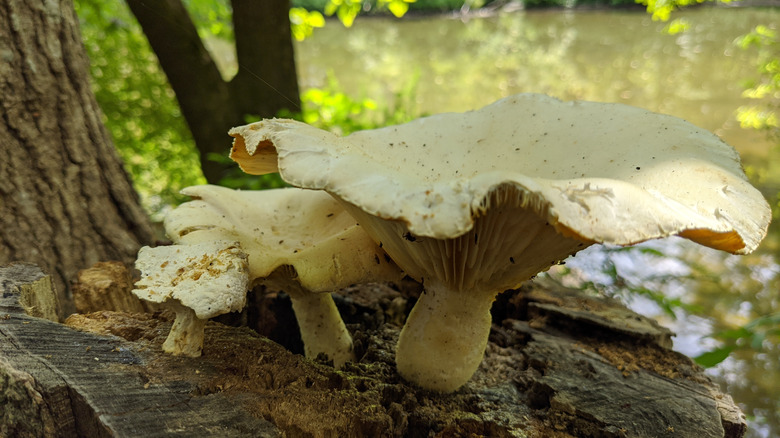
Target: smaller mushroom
x=197 y=282
x=302 y=242
x=321 y=327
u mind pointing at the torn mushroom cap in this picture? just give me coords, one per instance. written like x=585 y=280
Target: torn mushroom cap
x=197 y=282
x=600 y=172
x=307 y=230
x=211 y=278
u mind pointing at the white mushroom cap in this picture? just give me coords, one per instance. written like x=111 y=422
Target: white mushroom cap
x=307 y=230
x=605 y=173
x=211 y=278
x=197 y=282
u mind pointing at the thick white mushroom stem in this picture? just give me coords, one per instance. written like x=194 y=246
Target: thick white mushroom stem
x=445 y=335
x=186 y=336
x=322 y=329
x=444 y=338
x=321 y=326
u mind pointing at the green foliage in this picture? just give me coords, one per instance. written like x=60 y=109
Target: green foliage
x=139 y=107
x=142 y=114
x=355 y=7
x=211 y=17
x=348 y=10
x=331 y=109
x=752 y=335
x=765 y=89
x=763 y=115
x=610 y=281
x=303 y=22
x=678 y=25
x=662 y=9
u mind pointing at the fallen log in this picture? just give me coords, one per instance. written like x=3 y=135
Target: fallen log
x=558 y=364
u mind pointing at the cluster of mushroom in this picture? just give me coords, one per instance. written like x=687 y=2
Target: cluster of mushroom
x=298 y=241
x=471 y=204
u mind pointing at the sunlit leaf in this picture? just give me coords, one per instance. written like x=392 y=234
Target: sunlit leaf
x=754 y=117
x=347 y=14
x=315 y=19
x=398 y=8
x=303 y=22
x=714 y=357
x=678 y=25
x=734 y=334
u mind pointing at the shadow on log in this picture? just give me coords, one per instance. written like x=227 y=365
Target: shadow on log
x=558 y=364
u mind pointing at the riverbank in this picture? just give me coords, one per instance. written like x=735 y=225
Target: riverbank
x=480 y=8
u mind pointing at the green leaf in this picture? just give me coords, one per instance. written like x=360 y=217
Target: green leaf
x=303 y=22
x=315 y=19
x=734 y=334
x=347 y=14
x=398 y=8
x=757 y=342
x=678 y=25
x=714 y=357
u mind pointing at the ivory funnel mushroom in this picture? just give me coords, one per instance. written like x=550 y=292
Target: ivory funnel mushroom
x=300 y=241
x=197 y=282
x=471 y=204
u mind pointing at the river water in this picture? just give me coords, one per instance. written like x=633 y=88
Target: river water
x=610 y=56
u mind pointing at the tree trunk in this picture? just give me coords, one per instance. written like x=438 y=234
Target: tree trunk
x=65 y=200
x=265 y=84
x=203 y=96
x=266 y=81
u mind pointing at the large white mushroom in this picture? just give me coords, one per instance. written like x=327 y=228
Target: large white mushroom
x=300 y=241
x=471 y=204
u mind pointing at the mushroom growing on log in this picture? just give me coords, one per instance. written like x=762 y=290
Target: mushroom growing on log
x=471 y=204
x=197 y=282
x=301 y=242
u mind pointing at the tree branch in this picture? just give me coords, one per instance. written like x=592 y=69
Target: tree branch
x=203 y=95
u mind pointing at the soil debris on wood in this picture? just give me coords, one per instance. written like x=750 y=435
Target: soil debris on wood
x=558 y=364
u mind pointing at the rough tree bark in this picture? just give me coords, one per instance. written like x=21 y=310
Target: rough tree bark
x=65 y=200
x=266 y=81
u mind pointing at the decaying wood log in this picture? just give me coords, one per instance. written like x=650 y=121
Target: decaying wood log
x=559 y=364
x=107 y=286
x=57 y=381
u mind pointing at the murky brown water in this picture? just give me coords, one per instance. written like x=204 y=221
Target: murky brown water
x=604 y=56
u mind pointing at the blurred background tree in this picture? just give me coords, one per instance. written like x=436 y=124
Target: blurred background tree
x=167 y=103
x=266 y=80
